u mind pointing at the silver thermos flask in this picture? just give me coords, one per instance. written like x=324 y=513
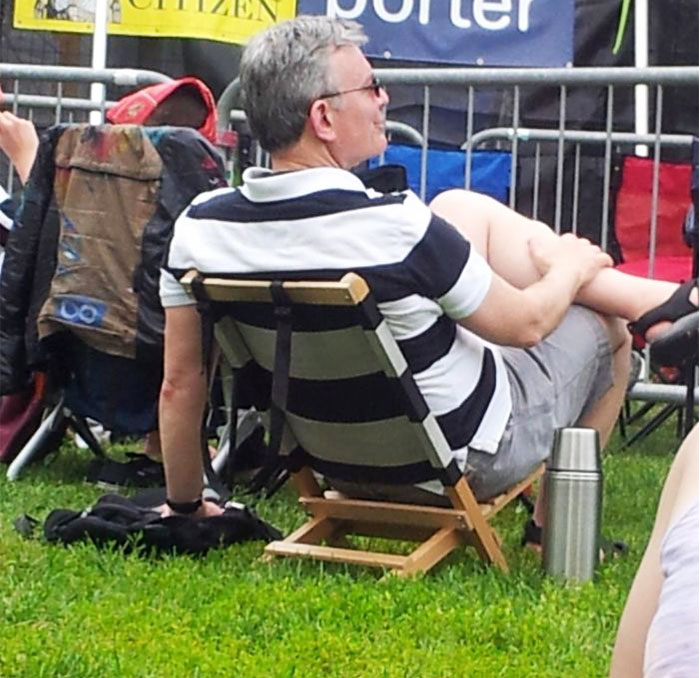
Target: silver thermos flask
x=574 y=491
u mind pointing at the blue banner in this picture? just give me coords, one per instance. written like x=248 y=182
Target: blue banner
x=464 y=32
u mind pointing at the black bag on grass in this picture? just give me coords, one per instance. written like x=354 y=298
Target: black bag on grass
x=117 y=520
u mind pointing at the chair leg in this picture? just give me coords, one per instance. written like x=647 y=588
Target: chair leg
x=80 y=426
x=431 y=551
x=621 y=421
x=33 y=446
x=483 y=537
x=641 y=411
x=658 y=419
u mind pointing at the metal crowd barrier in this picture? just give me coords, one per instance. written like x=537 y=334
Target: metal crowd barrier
x=579 y=138
x=472 y=81
x=512 y=80
x=48 y=109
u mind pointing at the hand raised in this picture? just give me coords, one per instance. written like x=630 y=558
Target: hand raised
x=19 y=141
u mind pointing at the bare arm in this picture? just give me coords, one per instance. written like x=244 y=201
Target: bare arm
x=678 y=494
x=523 y=317
x=182 y=401
x=19 y=141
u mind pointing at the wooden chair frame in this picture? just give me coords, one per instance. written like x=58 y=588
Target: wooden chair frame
x=437 y=530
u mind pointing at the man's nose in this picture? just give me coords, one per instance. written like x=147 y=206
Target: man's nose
x=383 y=96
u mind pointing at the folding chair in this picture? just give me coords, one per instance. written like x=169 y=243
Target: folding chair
x=673 y=252
x=344 y=405
x=85 y=260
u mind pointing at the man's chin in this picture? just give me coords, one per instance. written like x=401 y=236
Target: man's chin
x=377 y=149
x=382 y=143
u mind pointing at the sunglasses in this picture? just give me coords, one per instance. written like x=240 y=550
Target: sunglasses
x=375 y=86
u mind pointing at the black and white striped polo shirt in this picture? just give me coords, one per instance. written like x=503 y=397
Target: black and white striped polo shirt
x=321 y=223
x=7 y=210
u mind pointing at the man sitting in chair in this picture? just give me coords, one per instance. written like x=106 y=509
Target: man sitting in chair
x=510 y=330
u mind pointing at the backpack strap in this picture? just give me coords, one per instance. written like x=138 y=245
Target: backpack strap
x=280 y=373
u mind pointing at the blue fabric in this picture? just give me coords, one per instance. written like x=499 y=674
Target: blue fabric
x=120 y=393
x=490 y=170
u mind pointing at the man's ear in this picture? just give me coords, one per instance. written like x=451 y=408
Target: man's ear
x=322 y=120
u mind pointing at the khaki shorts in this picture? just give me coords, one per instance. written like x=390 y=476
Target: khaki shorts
x=552 y=385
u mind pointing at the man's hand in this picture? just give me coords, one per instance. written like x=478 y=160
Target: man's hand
x=577 y=254
x=523 y=317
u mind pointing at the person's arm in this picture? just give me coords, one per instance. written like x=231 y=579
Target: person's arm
x=181 y=407
x=678 y=494
x=19 y=141
x=523 y=317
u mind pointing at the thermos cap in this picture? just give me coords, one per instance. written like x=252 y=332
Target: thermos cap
x=575 y=449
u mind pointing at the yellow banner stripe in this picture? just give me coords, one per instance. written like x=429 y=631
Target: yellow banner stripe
x=224 y=20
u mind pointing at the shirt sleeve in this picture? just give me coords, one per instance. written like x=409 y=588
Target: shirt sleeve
x=7 y=210
x=448 y=269
x=470 y=289
x=172 y=293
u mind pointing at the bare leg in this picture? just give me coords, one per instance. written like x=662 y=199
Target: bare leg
x=502 y=235
x=603 y=415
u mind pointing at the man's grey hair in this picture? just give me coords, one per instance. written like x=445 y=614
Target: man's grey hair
x=285 y=68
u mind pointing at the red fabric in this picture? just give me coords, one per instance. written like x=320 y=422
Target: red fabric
x=136 y=107
x=20 y=414
x=633 y=209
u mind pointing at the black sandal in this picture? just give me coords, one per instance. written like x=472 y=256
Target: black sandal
x=612 y=548
x=678 y=345
x=675 y=307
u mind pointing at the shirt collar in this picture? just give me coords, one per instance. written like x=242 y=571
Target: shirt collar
x=264 y=185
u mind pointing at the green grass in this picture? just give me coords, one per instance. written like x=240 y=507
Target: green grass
x=80 y=612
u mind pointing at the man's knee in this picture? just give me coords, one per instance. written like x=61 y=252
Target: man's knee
x=455 y=200
x=472 y=214
x=618 y=334
x=621 y=346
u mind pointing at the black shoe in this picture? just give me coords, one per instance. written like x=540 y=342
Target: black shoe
x=676 y=307
x=678 y=345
